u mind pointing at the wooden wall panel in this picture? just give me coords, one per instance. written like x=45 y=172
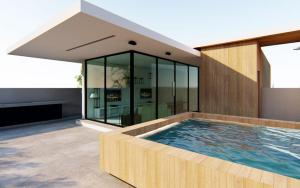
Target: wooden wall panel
x=264 y=73
x=147 y=164
x=265 y=70
x=228 y=83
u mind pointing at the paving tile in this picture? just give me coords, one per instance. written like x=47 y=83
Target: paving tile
x=60 y=154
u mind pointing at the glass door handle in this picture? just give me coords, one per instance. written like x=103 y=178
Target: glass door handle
x=173 y=89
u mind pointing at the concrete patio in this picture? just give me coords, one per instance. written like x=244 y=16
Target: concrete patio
x=60 y=154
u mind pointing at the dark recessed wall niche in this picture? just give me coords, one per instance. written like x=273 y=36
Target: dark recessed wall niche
x=28 y=114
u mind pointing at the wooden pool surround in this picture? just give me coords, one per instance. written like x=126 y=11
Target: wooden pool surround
x=147 y=164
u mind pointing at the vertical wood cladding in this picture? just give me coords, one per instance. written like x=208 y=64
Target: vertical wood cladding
x=264 y=71
x=229 y=79
x=147 y=164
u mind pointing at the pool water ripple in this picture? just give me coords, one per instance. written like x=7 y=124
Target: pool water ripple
x=272 y=149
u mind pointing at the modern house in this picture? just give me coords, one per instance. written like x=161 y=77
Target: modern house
x=132 y=74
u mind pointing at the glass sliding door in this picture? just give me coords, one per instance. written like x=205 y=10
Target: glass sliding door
x=166 y=88
x=193 y=88
x=95 y=89
x=118 y=89
x=144 y=88
x=181 y=88
x=132 y=87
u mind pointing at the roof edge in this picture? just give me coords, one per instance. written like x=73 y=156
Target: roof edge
x=98 y=12
x=226 y=43
x=282 y=37
x=72 y=11
x=82 y=6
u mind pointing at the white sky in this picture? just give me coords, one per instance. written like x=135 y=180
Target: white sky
x=18 y=19
x=285 y=65
x=204 y=22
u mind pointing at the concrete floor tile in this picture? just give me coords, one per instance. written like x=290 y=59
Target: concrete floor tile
x=60 y=154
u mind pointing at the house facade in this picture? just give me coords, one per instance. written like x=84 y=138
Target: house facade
x=133 y=74
x=133 y=87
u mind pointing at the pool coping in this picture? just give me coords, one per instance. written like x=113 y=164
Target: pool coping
x=157 y=130
x=143 y=163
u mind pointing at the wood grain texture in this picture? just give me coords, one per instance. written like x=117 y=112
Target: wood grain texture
x=248 y=121
x=264 y=40
x=264 y=77
x=147 y=164
x=228 y=83
x=266 y=71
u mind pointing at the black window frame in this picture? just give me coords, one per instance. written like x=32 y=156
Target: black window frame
x=131 y=98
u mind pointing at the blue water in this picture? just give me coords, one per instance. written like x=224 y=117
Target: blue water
x=271 y=149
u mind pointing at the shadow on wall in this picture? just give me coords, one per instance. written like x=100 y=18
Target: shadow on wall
x=226 y=91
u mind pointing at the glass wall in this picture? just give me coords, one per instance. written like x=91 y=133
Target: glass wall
x=166 y=88
x=118 y=89
x=95 y=89
x=131 y=87
x=144 y=88
x=193 y=88
x=181 y=88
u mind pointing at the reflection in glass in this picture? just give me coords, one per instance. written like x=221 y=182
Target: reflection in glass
x=166 y=88
x=144 y=88
x=193 y=92
x=118 y=89
x=181 y=88
x=154 y=88
x=95 y=89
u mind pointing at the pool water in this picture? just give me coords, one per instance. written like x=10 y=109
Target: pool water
x=271 y=149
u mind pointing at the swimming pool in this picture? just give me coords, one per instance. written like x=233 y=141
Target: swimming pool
x=271 y=149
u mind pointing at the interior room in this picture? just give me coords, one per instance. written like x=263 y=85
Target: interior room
x=160 y=88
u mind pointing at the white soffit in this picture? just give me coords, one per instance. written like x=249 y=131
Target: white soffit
x=87 y=31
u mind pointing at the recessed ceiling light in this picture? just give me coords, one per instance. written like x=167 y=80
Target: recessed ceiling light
x=132 y=42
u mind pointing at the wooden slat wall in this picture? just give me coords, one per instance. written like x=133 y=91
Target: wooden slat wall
x=246 y=121
x=146 y=164
x=228 y=83
x=264 y=71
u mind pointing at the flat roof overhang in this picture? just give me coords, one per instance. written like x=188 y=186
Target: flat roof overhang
x=270 y=39
x=87 y=31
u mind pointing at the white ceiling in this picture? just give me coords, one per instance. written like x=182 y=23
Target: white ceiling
x=86 y=23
